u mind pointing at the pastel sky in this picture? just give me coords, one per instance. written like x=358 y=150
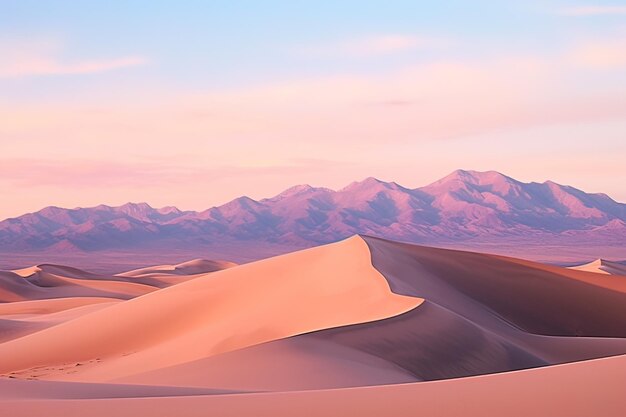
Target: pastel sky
x=193 y=103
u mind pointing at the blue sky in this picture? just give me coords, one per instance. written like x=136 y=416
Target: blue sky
x=195 y=44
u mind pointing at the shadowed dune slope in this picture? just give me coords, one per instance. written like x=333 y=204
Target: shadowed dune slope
x=426 y=343
x=14 y=288
x=493 y=291
x=582 y=389
x=36 y=390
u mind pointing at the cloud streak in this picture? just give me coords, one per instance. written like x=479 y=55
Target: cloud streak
x=607 y=54
x=372 y=46
x=439 y=100
x=33 y=58
x=592 y=10
x=48 y=67
x=90 y=173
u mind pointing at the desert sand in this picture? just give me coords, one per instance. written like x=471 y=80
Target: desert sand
x=602 y=266
x=364 y=327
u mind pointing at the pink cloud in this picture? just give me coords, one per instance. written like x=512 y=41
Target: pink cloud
x=369 y=46
x=70 y=182
x=210 y=146
x=43 y=66
x=27 y=58
x=610 y=53
x=274 y=121
x=90 y=173
x=592 y=10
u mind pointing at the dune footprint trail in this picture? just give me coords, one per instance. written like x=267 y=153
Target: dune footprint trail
x=341 y=322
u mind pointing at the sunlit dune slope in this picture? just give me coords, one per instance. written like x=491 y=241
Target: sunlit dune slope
x=602 y=266
x=314 y=289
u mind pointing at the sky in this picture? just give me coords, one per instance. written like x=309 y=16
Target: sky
x=194 y=103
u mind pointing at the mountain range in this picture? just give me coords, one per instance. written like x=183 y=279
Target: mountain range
x=464 y=208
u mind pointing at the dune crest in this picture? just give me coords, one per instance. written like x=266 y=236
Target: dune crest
x=602 y=266
x=323 y=287
x=193 y=267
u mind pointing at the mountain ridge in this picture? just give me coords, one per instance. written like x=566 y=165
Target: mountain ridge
x=462 y=206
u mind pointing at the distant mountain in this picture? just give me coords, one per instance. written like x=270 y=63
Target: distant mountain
x=465 y=206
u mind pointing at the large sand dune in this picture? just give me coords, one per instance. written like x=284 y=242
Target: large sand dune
x=315 y=289
x=363 y=326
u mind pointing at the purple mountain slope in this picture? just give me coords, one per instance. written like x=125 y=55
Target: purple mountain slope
x=465 y=206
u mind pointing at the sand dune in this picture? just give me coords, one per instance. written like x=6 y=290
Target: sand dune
x=14 y=288
x=583 y=389
x=196 y=266
x=60 y=270
x=360 y=326
x=602 y=266
x=216 y=313
x=52 y=305
x=12 y=329
x=19 y=325
x=43 y=296
x=37 y=390
x=42 y=282
x=429 y=343
x=48 y=281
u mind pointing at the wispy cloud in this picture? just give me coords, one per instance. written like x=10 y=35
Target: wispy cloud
x=592 y=10
x=40 y=67
x=601 y=54
x=439 y=100
x=88 y=173
x=369 y=46
x=28 y=58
